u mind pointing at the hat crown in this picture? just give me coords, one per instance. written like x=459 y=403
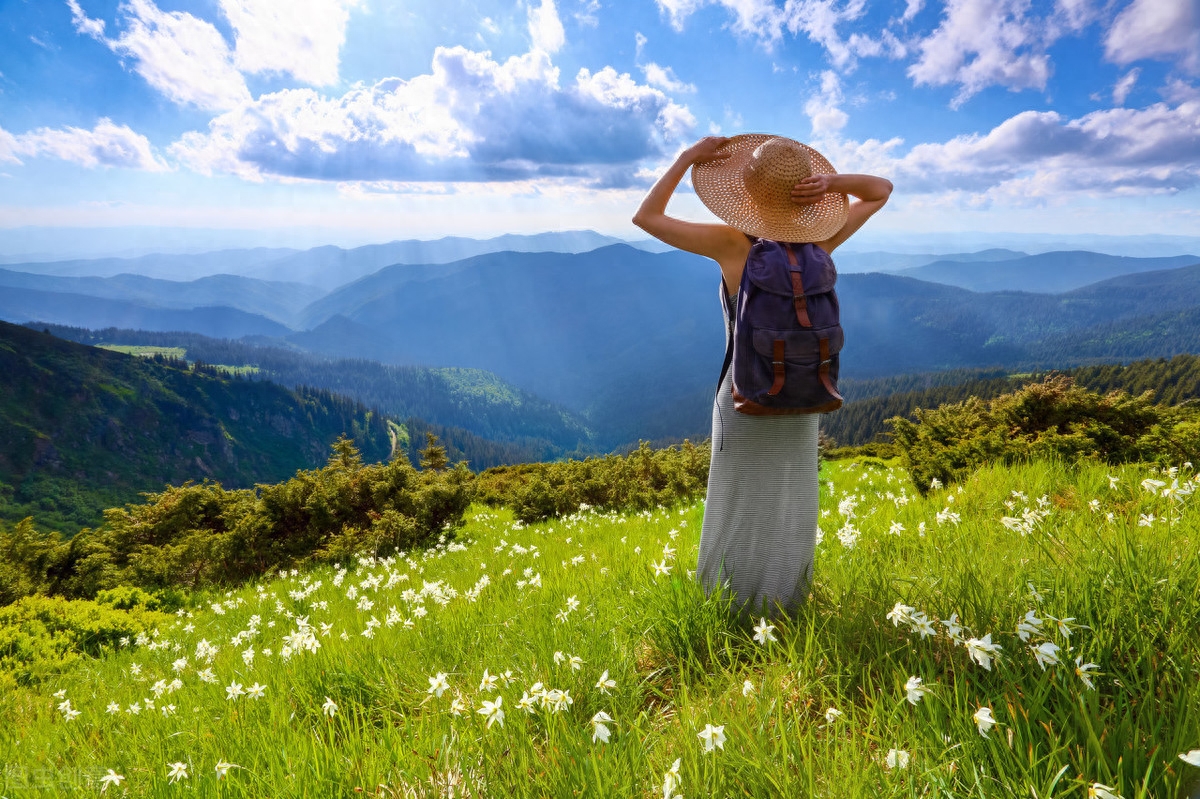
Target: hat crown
x=774 y=168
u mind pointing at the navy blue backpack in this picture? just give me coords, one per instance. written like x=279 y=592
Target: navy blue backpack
x=785 y=332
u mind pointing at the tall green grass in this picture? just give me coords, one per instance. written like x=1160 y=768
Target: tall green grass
x=680 y=660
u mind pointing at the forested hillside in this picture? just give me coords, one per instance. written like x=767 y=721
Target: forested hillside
x=87 y=429
x=478 y=416
x=871 y=402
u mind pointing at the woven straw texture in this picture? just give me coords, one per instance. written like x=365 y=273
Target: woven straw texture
x=751 y=189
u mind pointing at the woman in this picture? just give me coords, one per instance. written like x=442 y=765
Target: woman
x=760 y=517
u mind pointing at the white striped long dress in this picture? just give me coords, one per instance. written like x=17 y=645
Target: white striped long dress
x=760 y=516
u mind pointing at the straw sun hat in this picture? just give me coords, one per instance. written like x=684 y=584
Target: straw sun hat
x=752 y=189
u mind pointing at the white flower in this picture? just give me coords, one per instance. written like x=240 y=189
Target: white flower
x=1046 y=653
x=329 y=708
x=983 y=720
x=1112 y=481
x=897 y=758
x=223 y=768
x=1101 y=791
x=492 y=711
x=762 y=631
x=713 y=737
x=953 y=628
x=599 y=730
x=113 y=778
x=915 y=689
x=178 y=772
x=982 y=649
x=233 y=691
x=1082 y=669
x=832 y=715
x=605 y=682
x=256 y=691
x=671 y=781
x=113 y=707
x=1192 y=758
x=488 y=683
x=747 y=688
x=438 y=684
x=559 y=658
x=1032 y=625
x=661 y=568
x=900 y=612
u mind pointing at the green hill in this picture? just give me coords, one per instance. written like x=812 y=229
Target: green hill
x=87 y=429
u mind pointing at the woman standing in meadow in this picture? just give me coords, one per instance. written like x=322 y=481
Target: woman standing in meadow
x=775 y=196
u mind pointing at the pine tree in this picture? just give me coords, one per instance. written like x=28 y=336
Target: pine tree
x=433 y=457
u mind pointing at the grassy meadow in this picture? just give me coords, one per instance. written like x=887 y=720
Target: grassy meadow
x=1030 y=633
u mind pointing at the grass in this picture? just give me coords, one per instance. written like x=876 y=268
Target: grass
x=1127 y=587
x=146 y=351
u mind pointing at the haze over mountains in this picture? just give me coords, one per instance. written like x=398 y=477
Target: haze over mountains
x=630 y=339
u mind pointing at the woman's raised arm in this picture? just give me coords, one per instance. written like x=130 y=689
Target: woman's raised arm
x=720 y=242
x=870 y=193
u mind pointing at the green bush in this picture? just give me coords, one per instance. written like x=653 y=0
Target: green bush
x=1051 y=419
x=44 y=636
x=644 y=478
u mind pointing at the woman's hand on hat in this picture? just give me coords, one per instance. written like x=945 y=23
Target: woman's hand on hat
x=707 y=149
x=810 y=190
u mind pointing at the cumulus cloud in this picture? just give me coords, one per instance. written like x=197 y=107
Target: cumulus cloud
x=301 y=38
x=183 y=57
x=106 y=145
x=911 y=9
x=1036 y=154
x=1160 y=29
x=982 y=43
x=470 y=119
x=545 y=28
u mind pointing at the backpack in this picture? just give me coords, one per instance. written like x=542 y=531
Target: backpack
x=785 y=334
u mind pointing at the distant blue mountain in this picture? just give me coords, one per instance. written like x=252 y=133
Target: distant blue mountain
x=29 y=305
x=850 y=262
x=1047 y=273
x=278 y=301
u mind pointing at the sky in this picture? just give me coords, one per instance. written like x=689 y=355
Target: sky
x=374 y=120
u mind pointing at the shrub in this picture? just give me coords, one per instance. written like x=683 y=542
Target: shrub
x=44 y=636
x=1053 y=418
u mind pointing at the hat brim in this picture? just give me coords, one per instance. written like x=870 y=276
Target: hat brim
x=720 y=186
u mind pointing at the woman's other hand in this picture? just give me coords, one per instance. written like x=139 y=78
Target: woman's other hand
x=706 y=150
x=810 y=190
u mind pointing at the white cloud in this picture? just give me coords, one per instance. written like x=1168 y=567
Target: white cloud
x=911 y=9
x=823 y=108
x=470 y=119
x=1076 y=14
x=301 y=38
x=1034 y=155
x=182 y=57
x=545 y=28
x=982 y=43
x=1161 y=29
x=587 y=14
x=1125 y=85
x=664 y=78
x=107 y=145
x=84 y=24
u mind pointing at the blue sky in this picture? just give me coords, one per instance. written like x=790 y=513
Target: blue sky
x=374 y=120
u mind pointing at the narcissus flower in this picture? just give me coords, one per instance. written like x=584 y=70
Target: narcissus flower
x=329 y=708
x=832 y=715
x=604 y=683
x=113 y=778
x=915 y=689
x=982 y=650
x=713 y=737
x=897 y=758
x=599 y=730
x=763 y=631
x=438 y=684
x=492 y=711
x=984 y=720
x=178 y=771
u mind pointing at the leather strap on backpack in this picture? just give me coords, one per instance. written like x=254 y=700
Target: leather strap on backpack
x=799 y=301
x=823 y=370
x=778 y=365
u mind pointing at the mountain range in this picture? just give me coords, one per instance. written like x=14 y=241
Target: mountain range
x=632 y=340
